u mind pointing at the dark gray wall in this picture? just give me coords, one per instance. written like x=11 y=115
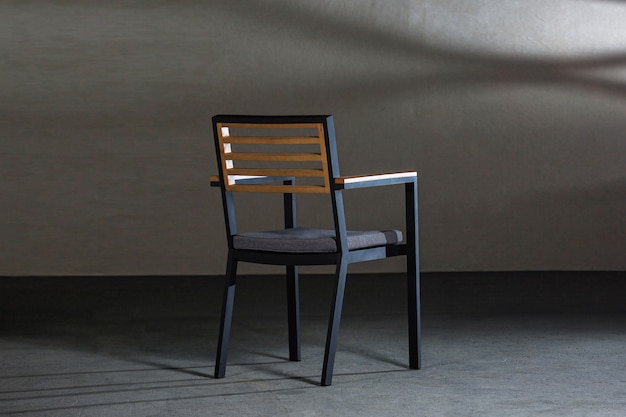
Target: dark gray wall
x=513 y=112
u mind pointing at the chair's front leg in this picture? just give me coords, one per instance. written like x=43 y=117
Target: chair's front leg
x=333 y=322
x=413 y=276
x=293 y=312
x=226 y=316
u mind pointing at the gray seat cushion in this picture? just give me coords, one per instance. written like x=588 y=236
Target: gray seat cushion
x=302 y=239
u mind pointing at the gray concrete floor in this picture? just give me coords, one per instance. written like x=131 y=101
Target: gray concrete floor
x=493 y=345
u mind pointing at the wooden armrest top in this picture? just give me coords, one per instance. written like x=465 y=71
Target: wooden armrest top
x=375 y=177
x=235 y=178
x=249 y=179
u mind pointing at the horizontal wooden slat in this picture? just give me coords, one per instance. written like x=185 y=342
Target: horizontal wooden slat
x=277 y=172
x=273 y=140
x=277 y=156
x=216 y=178
x=306 y=189
x=270 y=125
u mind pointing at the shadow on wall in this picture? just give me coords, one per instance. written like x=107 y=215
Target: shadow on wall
x=419 y=65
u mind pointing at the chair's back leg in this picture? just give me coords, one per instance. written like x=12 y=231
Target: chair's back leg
x=333 y=322
x=226 y=316
x=293 y=312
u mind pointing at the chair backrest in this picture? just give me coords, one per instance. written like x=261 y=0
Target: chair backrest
x=276 y=154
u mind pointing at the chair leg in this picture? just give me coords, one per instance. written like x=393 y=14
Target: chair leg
x=415 y=328
x=413 y=278
x=333 y=323
x=293 y=312
x=226 y=317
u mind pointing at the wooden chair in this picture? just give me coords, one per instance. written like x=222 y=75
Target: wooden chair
x=253 y=158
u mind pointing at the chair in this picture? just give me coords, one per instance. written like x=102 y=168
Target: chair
x=291 y=155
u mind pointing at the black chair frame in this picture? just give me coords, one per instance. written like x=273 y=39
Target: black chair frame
x=341 y=258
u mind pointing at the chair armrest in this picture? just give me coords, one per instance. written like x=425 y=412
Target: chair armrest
x=249 y=179
x=374 y=180
x=215 y=181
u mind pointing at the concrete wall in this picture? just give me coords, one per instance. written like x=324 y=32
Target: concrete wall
x=513 y=112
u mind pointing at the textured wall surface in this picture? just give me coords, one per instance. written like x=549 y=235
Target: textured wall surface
x=513 y=112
